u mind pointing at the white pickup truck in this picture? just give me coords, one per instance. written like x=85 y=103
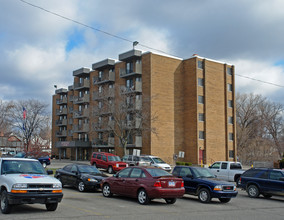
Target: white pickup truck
x=226 y=170
x=24 y=181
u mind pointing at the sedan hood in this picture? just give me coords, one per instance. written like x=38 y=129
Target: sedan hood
x=216 y=181
x=98 y=176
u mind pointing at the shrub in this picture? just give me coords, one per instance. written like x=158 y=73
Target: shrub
x=180 y=163
x=188 y=163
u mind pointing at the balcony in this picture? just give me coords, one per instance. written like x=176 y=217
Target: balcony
x=106 y=78
x=72 y=144
x=132 y=54
x=61 y=133
x=100 y=143
x=137 y=106
x=103 y=95
x=62 y=111
x=108 y=110
x=136 y=88
x=82 y=85
x=81 y=114
x=81 y=100
x=137 y=71
x=82 y=72
x=107 y=63
x=133 y=124
x=84 y=128
x=60 y=91
x=61 y=101
x=62 y=122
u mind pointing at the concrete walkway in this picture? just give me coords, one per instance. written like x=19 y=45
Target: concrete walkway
x=56 y=163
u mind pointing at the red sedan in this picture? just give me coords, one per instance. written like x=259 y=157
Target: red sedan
x=144 y=183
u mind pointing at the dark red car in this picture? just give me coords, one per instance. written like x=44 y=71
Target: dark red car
x=144 y=183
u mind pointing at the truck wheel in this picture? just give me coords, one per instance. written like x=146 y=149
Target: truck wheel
x=94 y=164
x=51 y=206
x=253 y=191
x=5 y=207
x=204 y=195
x=110 y=169
x=44 y=164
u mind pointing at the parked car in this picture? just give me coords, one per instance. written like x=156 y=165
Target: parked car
x=43 y=159
x=144 y=183
x=82 y=176
x=110 y=162
x=267 y=182
x=25 y=181
x=202 y=183
x=227 y=170
x=136 y=160
x=158 y=162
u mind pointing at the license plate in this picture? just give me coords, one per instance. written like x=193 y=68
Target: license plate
x=171 y=184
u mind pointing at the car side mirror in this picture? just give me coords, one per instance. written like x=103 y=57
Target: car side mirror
x=189 y=176
x=49 y=172
x=75 y=172
x=115 y=175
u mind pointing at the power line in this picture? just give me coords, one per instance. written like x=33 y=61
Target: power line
x=259 y=80
x=127 y=40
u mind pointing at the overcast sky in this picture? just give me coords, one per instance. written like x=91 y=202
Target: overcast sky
x=39 y=50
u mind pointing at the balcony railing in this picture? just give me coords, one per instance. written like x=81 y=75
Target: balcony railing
x=62 y=111
x=103 y=95
x=61 y=133
x=107 y=110
x=123 y=72
x=107 y=77
x=137 y=87
x=103 y=143
x=62 y=122
x=81 y=114
x=80 y=100
x=84 y=128
x=61 y=101
x=82 y=85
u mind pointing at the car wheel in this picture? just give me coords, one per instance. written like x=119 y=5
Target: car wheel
x=238 y=182
x=171 y=201
x=5 y=207
x=51 y=206
x=81 y=186
x=44 y=165
x=94 y=164
x=106 y=190
x=110 y=169
x=204 y=195
x=225 y=200
x=267 y=196
x=253 y=191
x=143 y=198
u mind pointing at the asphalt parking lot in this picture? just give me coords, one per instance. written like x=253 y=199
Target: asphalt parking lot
x=92 y=205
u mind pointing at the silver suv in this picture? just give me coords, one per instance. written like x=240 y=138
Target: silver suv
x=158 y=162
x=136 y=160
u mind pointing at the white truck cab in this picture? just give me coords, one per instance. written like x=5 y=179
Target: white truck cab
x=25 y=181
x=227 y=170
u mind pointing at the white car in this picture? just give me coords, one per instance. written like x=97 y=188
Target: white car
x=25 y=181
x=158 y=162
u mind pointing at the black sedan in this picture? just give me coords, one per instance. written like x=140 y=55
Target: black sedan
x=83 y=177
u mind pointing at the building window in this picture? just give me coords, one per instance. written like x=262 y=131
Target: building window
x=230 y=87
x=100 y=75
x=230 y=103
x=201 y=117
x=100 y=104
x=231 y=136
x=231 y=153
x=201 y=82
x=229 y=71
x=201 y=135
x=100 y=89
x=200 y=64
x=231 y=120
x=201 y=99
x=129 y=67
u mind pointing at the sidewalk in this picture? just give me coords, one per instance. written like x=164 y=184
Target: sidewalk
x=56 y=163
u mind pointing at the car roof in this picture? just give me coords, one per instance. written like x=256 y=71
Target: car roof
x=16 y=158
x=104 y=153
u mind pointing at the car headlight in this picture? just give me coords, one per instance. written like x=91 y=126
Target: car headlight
x=57 y=186
x=218 y=188
x=92 y=180
x=117 y=165
x=20 y=186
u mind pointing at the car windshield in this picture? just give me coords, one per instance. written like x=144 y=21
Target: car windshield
x=21 y=166
x=114 y=158
x=158 y=172
x=20 y=155
x=158 y=160
x=88 y=169
x=202 y=172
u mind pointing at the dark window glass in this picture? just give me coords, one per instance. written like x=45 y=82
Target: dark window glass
x=231 y=136
x=235 y=166
x=231 y=154
x=136 y=173
x=201 y=117
x=124 y=172
x=99 y=157
x=275 y=175
x=201 y=99
x=68 y=168
x=216 y=165
x=224 y=166
x=200 y=64
x=201 y=135
x=201 y=82
x=185 y=171
x=104 y=158
x=176 y=171
x=229 y=71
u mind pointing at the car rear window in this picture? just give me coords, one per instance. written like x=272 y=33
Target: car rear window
x=158 y=172
x=235 y=166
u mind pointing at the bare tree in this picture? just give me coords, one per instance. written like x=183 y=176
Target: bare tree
x=128 y=115
x=5 y=123
x=28 y=117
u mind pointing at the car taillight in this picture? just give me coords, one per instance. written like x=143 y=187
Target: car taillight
x=182 y=184
x=157 y=184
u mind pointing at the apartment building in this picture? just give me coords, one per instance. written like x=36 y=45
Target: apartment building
x=193 y=100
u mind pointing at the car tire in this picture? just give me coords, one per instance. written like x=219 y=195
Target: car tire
x=142 y=197
x=171 y=201
x=51 y=206
x=267 y=196
x=204 y=195
x=238 y=181
x=81 y=186
x=94 y=164
x=106 y=190
x=253 y=191
x=110 y=170
x=225 y=200
x=5 y=207
x=44 y=164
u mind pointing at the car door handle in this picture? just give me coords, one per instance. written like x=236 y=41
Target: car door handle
x=218 y=170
